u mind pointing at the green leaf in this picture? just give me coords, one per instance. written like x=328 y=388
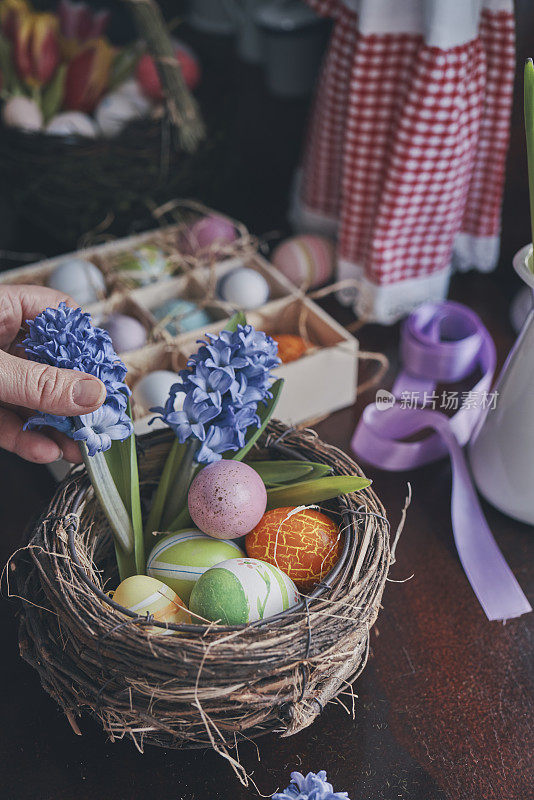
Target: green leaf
x=172 y=463
x=280 y=473
x=264 y=413
x=121 y=460
x=123 y=66
x=238 y=319
x=180 y=483
x=314 y=491
x=52 y=97
x=529 y=129
x=181 y=521
x=114 y=508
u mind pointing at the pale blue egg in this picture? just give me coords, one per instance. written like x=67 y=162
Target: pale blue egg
x=183 y=316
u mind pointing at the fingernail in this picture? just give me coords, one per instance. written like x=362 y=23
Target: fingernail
x=87 y=392
x=60 y=456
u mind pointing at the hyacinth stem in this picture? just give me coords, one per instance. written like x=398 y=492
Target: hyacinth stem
x=529 y=130
x=168 y=475
x=109 y=498
x=177 y=496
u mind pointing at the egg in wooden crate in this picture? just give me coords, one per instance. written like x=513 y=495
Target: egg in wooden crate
x=179 y=559
x=290 y=346
x=244 y=288
x=145 y=595
x=240 y=591
x=304 y=543
x=78 y=278
x=307 y=260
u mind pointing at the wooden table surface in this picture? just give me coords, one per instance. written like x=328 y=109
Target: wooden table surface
x=444 y=709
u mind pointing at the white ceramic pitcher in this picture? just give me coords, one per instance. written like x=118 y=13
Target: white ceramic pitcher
x=502 y=447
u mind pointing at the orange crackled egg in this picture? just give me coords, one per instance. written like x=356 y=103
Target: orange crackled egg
x=305 y=545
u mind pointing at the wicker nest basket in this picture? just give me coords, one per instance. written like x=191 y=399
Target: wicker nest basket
x=205 y=685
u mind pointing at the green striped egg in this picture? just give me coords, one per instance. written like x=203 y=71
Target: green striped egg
x=179 y=559
x=242 y=590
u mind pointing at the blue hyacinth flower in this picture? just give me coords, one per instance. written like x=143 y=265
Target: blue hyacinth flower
x=64 y=337
x=224 y=383
x=312 y=787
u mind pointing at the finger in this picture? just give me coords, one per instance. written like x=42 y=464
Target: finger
x=30 y=445
x=70 y=449
x=19 y=303
x=48 y=389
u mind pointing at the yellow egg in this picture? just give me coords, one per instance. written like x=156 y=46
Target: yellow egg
x=145 y=595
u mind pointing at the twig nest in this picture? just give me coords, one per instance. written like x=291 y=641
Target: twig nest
x=227 y=499
x=205 y=683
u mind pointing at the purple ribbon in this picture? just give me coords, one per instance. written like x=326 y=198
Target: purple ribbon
x=444 y=343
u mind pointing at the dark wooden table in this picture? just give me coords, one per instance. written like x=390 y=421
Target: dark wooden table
x=444 y=709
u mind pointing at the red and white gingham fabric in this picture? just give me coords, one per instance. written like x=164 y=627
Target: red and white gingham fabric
x=406 y=148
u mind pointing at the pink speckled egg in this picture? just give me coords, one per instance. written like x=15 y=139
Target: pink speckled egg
x=227 y=499
x=307 y=261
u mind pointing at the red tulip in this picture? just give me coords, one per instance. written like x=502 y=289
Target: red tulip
x=79 y=24
x=10 y=11
x=36 y=47
x=148 y=77
x=88 y=75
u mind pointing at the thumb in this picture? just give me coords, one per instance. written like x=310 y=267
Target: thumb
x=48 y=389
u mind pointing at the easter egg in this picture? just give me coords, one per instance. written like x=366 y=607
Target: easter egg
x=78 y=278
x=115 y=111
x=242 y=590
x=148 y=260
x=179 y=559
x=148 y=76
x=131 y=90
x=183 y=315
x=227 y=499
x=71 y=123
x=290 y=346
x=244 y=288
x=305 y=544
x=146 y=595
x=306 y=260
x=207 y=232
x=153 y=389
x=21 y=112
x=126 y=332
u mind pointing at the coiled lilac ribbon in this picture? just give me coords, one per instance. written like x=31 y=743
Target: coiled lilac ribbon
x=444 y=343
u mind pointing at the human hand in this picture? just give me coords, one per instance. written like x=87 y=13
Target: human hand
x=27 y=386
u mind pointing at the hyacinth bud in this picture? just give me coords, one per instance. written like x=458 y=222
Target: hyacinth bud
x=88 y=75
x=10 y=12
x=36 y=47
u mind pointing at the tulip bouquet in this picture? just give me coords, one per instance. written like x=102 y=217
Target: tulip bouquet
x=56 y=70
